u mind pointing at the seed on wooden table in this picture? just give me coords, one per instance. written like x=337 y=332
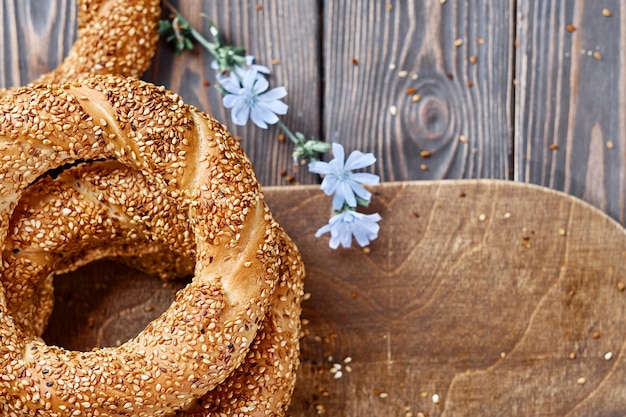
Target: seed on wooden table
x=561 y=231
x=415 y=98
x=572 y=355
x=570 y=28
x=393 y=110
x=410 y=90
x=473 y=59
x=458 y=42
x=425 y=154
x=463 y=139
x=480 y=41
x=621 y=286
x=424 y=167
x=553 y=147
x=606 y=13
x=597 y=55
x=609 y=144
x=581 y=381
x=403 y=73
x=608 y=356
x=596 y=335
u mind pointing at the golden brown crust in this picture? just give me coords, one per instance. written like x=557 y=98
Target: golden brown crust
x=113 y=37
x=202 y=168
x=263 y=384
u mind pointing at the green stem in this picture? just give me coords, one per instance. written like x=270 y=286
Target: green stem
x=288 y=132
x=211 y=47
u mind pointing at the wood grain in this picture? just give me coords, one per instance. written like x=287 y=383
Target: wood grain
x=37 y=34
x=374 y=51
x=283 y=35
x=570 y=71
x=501 y=298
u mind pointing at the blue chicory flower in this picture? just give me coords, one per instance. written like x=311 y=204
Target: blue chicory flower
x=343 y=226
x=341 y=181
x=248 y=99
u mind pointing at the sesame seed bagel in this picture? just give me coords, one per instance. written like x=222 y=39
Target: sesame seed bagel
x=113 y=198
x=198 y=164
x=113 y=37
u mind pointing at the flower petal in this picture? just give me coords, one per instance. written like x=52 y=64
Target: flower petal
x=338 y=154
x=365 y=178
x=319 y=167
x=360 y=191
x=257 y=118
x=274 y=94
x=329 y=184
x=232 y=100
x=262 y=116
x=358 y=159
x=277 y=107
x=260 y=85
x=240 y=115
x=248 y=79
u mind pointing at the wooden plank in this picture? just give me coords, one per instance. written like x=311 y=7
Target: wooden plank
x=374 y=50
x=36 y=36
x=500 y=297
x=570 y=95
x=283 y=35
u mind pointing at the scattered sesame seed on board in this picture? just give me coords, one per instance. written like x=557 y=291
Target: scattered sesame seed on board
x=608 y=356
x=570 y=28
x=482 y=217
x=425 y=154
x=463 y=139
x=388 y=6
x=424 y=167
x=403 y=74
x=621 y=286
x=597 y=55
x=607 y=13
x=572 y=355
x=393 y=110
x=416 y=98
x=458 y=42
x=553 y=147
x=581 y=381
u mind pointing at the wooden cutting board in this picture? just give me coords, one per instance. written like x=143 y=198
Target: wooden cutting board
x=480 y=298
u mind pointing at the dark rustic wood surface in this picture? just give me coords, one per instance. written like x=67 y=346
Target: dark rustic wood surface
x=499 y=297
x=487 y=108
x=484 y=313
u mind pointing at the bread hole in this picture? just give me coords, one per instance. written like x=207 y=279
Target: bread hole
x=105 y=303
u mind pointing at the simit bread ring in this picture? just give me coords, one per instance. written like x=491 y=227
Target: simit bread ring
x=113 y=37
x=102 y=193
x=199 y=165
